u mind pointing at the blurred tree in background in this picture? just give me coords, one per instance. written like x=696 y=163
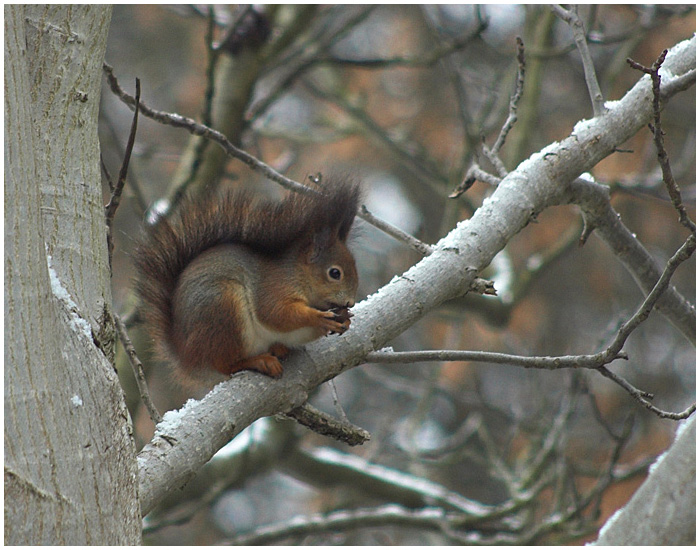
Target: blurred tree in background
x=412 y=99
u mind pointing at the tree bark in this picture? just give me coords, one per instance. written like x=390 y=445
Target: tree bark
x=70 y=468
x=662 y=511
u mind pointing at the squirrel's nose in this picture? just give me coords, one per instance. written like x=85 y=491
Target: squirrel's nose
x=350 y=303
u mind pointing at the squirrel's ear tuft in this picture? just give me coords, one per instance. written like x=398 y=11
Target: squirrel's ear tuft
x=320 y=241
x=342 y=199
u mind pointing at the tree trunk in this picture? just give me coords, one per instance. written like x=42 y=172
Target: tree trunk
x=662 y=511
x=70 y=468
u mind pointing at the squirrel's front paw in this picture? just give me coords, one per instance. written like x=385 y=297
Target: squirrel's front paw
x=342 y=315
x=335 y=321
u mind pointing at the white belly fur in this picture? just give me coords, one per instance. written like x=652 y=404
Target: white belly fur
x=261 y=337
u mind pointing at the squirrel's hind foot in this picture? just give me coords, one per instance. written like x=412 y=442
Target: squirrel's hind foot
x=264 y=363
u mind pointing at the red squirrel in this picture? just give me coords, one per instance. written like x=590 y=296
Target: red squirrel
x=232 y=282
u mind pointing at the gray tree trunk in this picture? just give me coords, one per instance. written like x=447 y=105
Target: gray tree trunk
x=662 y=511
x=70 y=464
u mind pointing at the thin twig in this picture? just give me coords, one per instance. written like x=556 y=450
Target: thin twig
x=419 y=246
x=671 y=185
x=111 y=208
x=576 y=24
x=597 y=413
x=484 y=176
x=212 y=56
x=515 y=98
x=643 y=397
x=134 y=184
x=197 y=129
x=682 y=254
x=389 y=356
x=336 y=402
x=138 y=370
x=200 y=146
x=494 y=159
x=107 y=175
x=474 y=173
x=491 y=154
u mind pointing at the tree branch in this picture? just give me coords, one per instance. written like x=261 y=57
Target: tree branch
x=671 y=185
x=574 y=21
x=138 y=370
x=198 y=129
x=325 y=424
x=192 y=126
x=515 y=98
x=601 y=217
x=115 y=199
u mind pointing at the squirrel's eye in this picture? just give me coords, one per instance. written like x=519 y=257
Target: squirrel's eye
x=335 y=273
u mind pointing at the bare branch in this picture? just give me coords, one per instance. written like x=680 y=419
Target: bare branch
x=494 y=159
x=681 y=255
x=596 y=361
x=195 y=128
x=138 y=370
x=474 y=173
x=115 y=199
x=324 y=424
x=389 y=356
x=515 y=98
x=643 y=397
x=671 y=185
x=574 y=21
x=433 y=518
x=601 y=217
x=422 y=248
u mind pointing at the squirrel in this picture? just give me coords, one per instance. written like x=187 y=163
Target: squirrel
x=231 y=282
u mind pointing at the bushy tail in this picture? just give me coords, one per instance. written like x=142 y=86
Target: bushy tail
x=268 y=227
